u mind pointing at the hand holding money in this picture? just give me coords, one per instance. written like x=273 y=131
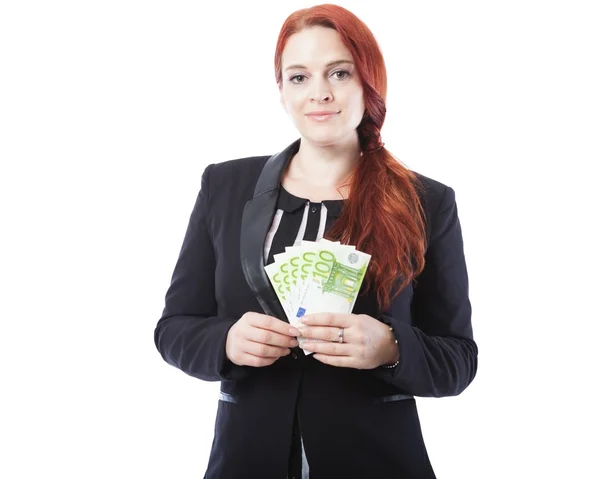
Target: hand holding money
x=368 y=343
x=259 y=340
x=316 y=277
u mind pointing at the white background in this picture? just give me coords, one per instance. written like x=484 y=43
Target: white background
x=109 y=112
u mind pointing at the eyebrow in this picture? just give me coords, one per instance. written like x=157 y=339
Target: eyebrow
x=336 y=62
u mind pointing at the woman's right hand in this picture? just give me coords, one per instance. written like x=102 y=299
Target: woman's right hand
x=259 y=340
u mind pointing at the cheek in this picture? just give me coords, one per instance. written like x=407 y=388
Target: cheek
x=294 y=100
x=352 y=99
x=356 y=109
x=297 y=104
x=359 y=103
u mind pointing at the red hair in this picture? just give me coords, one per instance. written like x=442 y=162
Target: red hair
x=382 y=215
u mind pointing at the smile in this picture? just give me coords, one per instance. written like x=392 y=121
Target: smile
x=323 y=117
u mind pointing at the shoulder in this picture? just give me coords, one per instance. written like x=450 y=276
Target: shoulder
x=238 y=167
x=433 y=193
x=228 y=182
x=439 y=204
x=233 y=175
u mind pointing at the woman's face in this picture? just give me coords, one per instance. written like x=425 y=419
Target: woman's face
x=318 y=74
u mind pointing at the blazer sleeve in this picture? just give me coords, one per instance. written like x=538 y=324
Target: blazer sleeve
x=190 y=335
x=438 y=356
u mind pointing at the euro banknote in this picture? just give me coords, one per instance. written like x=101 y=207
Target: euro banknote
x=315 y=277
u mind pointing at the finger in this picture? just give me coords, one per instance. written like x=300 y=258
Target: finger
x=330 y=349
x=266 y=336
x=338 y=361
x=325 y=333
x=271 y=323
x=257 y=362
x=264 y=350
x=339 y=320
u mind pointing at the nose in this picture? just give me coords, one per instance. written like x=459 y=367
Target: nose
x=321 y=91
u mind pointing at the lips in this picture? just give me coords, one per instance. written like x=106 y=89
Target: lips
x=321 y=116
x=321 y=113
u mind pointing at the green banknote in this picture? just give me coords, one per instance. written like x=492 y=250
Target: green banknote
x=279 y=275
x=315 y=277
x=334 y=280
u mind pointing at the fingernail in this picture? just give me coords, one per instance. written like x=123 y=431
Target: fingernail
x=294 y=332
x=294 y=343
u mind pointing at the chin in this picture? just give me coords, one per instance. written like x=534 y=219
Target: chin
x=323 y=138
x=322 y=142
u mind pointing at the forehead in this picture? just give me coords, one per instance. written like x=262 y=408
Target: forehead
x=314 y=47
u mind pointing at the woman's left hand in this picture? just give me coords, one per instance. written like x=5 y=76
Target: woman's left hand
x=368 y=343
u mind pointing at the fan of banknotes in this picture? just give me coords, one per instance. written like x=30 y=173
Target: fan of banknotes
x=317 y=277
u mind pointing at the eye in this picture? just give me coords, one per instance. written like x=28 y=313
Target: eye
x=345 y=74
x=339 y=74
x=297 y=76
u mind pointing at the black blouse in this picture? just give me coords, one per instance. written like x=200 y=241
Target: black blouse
x=298 y=219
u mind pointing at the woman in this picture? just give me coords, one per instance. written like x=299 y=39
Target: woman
x=348 y=410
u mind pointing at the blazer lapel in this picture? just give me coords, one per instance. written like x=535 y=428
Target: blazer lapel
x=256 y=222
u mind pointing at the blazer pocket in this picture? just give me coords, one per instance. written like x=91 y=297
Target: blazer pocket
x=226 y=397
x=392 y=398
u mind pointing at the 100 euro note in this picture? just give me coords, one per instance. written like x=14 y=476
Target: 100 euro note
x=334 y=280
x=279 y=275
x=290 y=269
x=288 y=272
x=317 y=277
x=302 y=260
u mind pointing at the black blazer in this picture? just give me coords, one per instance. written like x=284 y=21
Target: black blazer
x=355 y=423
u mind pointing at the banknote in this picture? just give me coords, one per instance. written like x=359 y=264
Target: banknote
x=278 y=273
x=313 y=277
x=334 y=281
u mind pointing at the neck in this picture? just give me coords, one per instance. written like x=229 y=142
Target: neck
x=324 y=166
